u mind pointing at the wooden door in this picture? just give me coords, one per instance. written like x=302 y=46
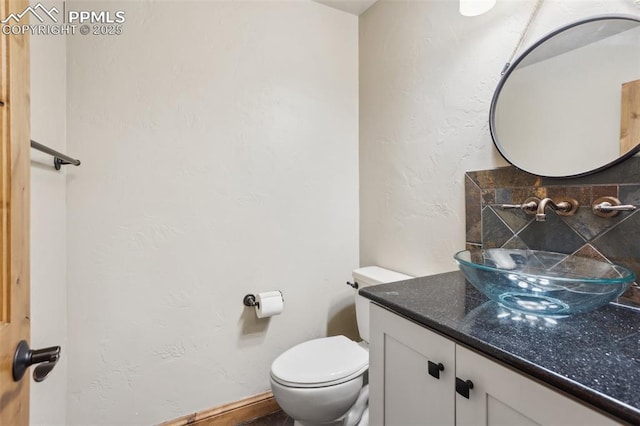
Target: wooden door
x=14 y=215
x=630 y=116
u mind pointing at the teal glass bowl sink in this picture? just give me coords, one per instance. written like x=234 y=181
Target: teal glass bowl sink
x=543 y=283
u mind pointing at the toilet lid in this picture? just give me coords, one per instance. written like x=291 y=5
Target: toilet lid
x=320 y=362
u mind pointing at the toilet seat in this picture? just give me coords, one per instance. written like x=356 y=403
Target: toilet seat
x=320 y=362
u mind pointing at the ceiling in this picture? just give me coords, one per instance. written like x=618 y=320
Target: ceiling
x=355 y=7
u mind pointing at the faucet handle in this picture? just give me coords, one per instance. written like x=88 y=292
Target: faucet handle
x=610 y=207
x=530 y=205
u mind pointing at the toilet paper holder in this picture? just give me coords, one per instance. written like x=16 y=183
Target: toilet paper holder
x=266 y=304
x=250 y=300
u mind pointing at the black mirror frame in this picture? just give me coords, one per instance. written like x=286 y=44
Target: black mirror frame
x=511 y=67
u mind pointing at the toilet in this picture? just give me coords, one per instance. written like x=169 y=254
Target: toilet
x=322 y=381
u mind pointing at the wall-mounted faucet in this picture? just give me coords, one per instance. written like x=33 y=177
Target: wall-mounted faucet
x=603 y=207
x=565 y=207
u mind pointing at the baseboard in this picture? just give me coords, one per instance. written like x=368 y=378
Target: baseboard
x=230 y=414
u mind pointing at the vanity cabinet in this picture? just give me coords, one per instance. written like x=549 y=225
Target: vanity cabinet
x=414 y=373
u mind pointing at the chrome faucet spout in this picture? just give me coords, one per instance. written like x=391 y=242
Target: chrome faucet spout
x=541 y=216
x=565 y=207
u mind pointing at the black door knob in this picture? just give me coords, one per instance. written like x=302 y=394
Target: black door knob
x=463 y=386
x=435 y=369
x=25 y=357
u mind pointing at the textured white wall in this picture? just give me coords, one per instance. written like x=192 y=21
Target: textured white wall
x=48 y=223
x=219 y=157
x=427 y=76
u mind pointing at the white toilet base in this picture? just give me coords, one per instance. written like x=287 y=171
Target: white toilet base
x=358 y=414
x=364 y=420
x=355 y=413
x=331 y=405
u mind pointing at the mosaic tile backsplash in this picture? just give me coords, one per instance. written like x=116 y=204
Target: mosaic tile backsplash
x=615 y=239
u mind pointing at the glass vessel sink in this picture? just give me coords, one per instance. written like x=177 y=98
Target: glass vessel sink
x=543 y=283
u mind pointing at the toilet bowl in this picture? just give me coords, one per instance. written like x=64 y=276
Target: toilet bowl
x=318 y=381
x=323 y=381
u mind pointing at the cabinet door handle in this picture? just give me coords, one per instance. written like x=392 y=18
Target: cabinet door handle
x=435 y=369
x=463 y=387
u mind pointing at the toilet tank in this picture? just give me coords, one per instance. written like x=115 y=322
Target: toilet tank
x=367 y=276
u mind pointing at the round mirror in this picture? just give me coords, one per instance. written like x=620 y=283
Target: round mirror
x=570 y=104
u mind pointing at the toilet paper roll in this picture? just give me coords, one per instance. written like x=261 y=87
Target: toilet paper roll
x=270 y=303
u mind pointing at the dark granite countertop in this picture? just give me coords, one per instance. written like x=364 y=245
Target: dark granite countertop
x=594 y=357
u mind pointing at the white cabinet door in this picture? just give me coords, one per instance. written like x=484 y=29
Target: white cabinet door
x=402 y=392
x=502 y=397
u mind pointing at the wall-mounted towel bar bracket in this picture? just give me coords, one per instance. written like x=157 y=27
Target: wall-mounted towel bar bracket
x=59 y=162
x=59 y=159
